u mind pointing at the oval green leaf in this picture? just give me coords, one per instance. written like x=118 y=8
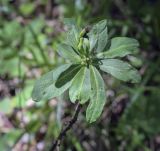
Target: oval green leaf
x=72 y=37
x=68 y=52
x=98 y=96
x=120 y=70
x=45 y=89
x=80 y=88
x=102 y=40
x=67 y=75
x=120 y=47
x=98 y=36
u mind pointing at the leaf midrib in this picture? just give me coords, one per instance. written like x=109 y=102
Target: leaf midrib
x=96 y=87
x=118 y=69
x=111 y=50
x=82 y=81
x=121 y=47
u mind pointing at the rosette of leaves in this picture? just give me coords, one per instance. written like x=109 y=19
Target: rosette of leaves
x=88 y=54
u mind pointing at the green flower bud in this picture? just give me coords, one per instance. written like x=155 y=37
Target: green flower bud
x=82 y=33
x=82 y=63
x=86 y=44
x=80 y=44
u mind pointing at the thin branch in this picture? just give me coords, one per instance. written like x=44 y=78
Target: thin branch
x=66 y=129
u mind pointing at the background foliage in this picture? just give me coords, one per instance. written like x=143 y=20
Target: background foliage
x=29 y=34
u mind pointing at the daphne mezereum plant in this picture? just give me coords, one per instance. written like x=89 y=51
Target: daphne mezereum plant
x=88 y=53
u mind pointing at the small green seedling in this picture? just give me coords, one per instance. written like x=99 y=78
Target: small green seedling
x=89 y=53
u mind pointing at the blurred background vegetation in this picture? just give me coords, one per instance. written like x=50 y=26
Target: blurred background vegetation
x=29 y=33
